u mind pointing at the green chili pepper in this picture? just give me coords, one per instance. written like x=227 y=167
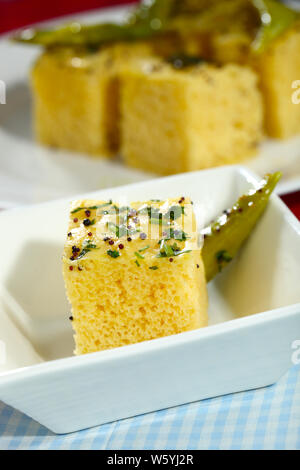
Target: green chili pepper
x=276 y=18
x=225 y=236
x=160 y=16
x=145 y=22
x=76 y=34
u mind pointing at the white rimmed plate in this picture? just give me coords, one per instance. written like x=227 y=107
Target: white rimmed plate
x=31 y=173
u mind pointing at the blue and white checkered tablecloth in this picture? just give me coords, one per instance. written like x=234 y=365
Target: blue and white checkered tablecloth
x=261 y=419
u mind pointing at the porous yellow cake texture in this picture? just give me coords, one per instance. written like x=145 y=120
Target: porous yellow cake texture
x=279 y=68
x=76 y=98
x=133 y=273
x=70 y=93
x=181 y=120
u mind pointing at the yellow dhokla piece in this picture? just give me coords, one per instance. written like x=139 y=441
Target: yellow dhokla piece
x=133 y=273
x=70 y=101
x=278 y=68
x=182 y=120
x=76 y=98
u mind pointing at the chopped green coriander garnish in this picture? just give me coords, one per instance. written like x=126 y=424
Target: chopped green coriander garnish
x=175 y=247
x=183 y=252
x=113 y=253
x=91 y=208
x=87 y=247
x=137 y=263
x=138 y=255
x=154 y=268
x=144 y=249
x=82 y=253
x=168 y=251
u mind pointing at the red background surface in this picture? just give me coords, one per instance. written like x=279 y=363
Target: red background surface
x=293 y=202
x=18 y=13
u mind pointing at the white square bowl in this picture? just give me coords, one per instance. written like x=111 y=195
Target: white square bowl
x=254 y=316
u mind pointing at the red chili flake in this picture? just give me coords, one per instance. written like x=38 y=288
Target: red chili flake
x=143 y=236
x=90 y=234
x=106 y=239
x=181 y=200
x=198 y=266
x=75 y=220
x=75 y=249
x=121 y=246
x=129 y=239
x=79 y=268
x=240 y=210
x=111 y=242
x=72 y=258
x=171 y=260
x=88 y=213
x=71 y=268
x=71 y=318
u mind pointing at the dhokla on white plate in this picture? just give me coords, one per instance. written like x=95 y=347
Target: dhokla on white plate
x=176 y=120
x=76 y=97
